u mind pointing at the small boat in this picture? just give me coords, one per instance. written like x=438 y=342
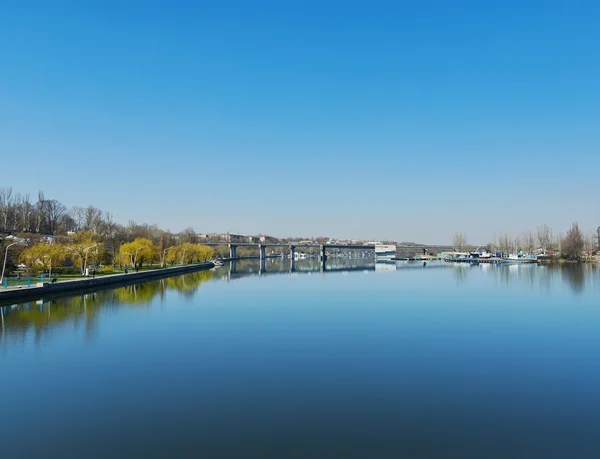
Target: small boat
x=519 y=258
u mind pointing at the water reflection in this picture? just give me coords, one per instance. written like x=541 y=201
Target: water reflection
x=39 y=316
x=545 y=277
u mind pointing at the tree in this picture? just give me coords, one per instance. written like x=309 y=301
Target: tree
x=138 y=252
x=5 y=207
x=80 y=249
x=528 y=243
x=54 y=212
x=459 y=241
x=40 y=211
x=173 y=255
x=506 y=244
x=572 y=245
x=188 y=235
x=188 y=253
x=43 y=256
x=25 y=210
x=205 y=252
x=590 y=245
x=544 y=237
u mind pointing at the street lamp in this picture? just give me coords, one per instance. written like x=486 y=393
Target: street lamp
x=5 y=257
x=164 y=256
x=136 y=251
x=183 y=256
x=50 y=270
x=87 y=249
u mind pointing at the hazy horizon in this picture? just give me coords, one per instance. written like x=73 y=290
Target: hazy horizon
x=382 y=122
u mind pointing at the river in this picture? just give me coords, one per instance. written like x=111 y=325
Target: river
x=360 y=361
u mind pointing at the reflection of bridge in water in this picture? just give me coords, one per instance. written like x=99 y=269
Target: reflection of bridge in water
x=236 y=269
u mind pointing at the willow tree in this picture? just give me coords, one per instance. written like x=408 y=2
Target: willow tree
x=138 y=252
x=83 y=248
x=188 y=253
x=43 y=257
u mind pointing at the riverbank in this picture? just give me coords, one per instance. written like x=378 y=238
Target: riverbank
x=107 y=281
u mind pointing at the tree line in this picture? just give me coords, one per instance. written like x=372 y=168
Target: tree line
x=573 y=245
x=53 y=235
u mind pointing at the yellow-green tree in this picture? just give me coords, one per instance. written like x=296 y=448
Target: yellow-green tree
x=173 y=255
x=205 y=253
x=138 y=252
x=43 y=256
x=83 y=249
x=188 y=253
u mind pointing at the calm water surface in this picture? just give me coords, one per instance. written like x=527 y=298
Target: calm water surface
x=386 y=361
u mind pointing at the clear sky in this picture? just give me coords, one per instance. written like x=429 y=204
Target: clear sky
x=404 y=120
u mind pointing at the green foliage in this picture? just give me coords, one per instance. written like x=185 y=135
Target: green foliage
x=189 y=253
x=138 y=252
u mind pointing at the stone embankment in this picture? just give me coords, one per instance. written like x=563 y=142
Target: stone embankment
x=89 y=283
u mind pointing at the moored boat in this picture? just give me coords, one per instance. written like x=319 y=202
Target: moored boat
x=519 y=258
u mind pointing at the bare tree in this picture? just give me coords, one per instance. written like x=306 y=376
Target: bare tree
x=54 y=212
x=459 y=241
x=572 y=245
x=92 y=218
x=40 y=211
x=528 y=243
x=78 y=214
x=590 y=244
x=506 y=244
x=25 y=209
x=544 y=237
x=5 y=204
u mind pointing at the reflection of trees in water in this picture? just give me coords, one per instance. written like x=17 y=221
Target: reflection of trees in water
x=38 y=317
x=461 y=272
x=574 y=274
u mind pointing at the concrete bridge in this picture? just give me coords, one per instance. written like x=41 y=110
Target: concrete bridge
x=262 y=247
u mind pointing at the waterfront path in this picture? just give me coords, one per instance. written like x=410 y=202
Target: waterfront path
x=42 y=288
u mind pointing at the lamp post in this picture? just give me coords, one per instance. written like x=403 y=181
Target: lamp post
x=164 y=256
x=5 y=257
x=87 y=249
x=50 y=269
x=136 y=251
x=183 y=256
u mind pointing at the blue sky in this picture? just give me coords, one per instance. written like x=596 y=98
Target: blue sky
x=380 y=120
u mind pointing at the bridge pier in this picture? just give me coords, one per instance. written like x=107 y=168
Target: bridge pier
x=292 y=265
x=262 y=249
x=322 y=257
x=263 y=266
x=292 y=251
x=232 y=251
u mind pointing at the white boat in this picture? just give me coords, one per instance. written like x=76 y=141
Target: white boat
x=385 y=251
x=519 y=258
